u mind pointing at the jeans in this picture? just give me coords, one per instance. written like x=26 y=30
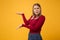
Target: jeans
x=34 y=36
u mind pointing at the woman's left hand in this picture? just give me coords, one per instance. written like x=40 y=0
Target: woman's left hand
x=19 y=26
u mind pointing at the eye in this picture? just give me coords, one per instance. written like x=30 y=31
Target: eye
x=34 y=8
x=37 y=8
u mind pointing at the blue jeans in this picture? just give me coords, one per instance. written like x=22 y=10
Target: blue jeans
x=34 y=36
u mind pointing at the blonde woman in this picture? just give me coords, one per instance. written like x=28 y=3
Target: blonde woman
x=34 y=23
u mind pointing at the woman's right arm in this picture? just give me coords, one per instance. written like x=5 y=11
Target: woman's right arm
x=24 y=18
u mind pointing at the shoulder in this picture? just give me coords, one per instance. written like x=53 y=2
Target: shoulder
x=42 y=17
x=32 y=17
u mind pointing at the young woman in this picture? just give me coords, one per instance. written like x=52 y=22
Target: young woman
x=34 y=23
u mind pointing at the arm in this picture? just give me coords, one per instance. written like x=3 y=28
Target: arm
x=38 y=24
x=25 y=20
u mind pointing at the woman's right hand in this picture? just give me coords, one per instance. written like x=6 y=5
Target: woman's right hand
x=19 y=26
x=19 y=13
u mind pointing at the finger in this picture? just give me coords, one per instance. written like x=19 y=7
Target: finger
x=18 y=13
x=17 y=28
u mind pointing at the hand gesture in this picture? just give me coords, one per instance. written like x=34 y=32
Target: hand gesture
x=19 y=13
x=19 y=26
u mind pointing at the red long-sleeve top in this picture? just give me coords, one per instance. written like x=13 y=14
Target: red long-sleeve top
x=34 y=24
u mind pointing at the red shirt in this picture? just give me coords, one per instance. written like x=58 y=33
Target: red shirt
x=34 y=24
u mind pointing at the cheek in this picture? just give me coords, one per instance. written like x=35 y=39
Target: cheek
x=38 y=10
x=34 y=10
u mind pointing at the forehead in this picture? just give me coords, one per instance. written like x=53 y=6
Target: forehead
x=36 y=6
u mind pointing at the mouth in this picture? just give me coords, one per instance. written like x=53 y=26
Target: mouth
x=36 y=12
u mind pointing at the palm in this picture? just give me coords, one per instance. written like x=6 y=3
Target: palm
x=19 y=13
x=19 y=26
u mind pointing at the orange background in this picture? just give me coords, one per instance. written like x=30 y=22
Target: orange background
x=9 y=20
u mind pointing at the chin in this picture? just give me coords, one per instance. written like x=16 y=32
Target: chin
x=36 y=14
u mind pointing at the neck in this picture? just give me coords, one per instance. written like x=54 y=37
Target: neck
x=37 y=15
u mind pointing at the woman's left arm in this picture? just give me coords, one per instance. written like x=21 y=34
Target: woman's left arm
x=37 y=25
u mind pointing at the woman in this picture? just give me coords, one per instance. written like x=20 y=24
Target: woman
x=34 y=23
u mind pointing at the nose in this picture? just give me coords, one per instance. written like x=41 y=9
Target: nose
x=36 y=10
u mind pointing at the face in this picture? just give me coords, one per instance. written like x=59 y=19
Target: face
x=36 y=10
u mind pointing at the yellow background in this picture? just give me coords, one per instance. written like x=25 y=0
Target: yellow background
x=9 y=20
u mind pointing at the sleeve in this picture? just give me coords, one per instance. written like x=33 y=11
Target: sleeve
x=25 y=20
x=37 y=26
